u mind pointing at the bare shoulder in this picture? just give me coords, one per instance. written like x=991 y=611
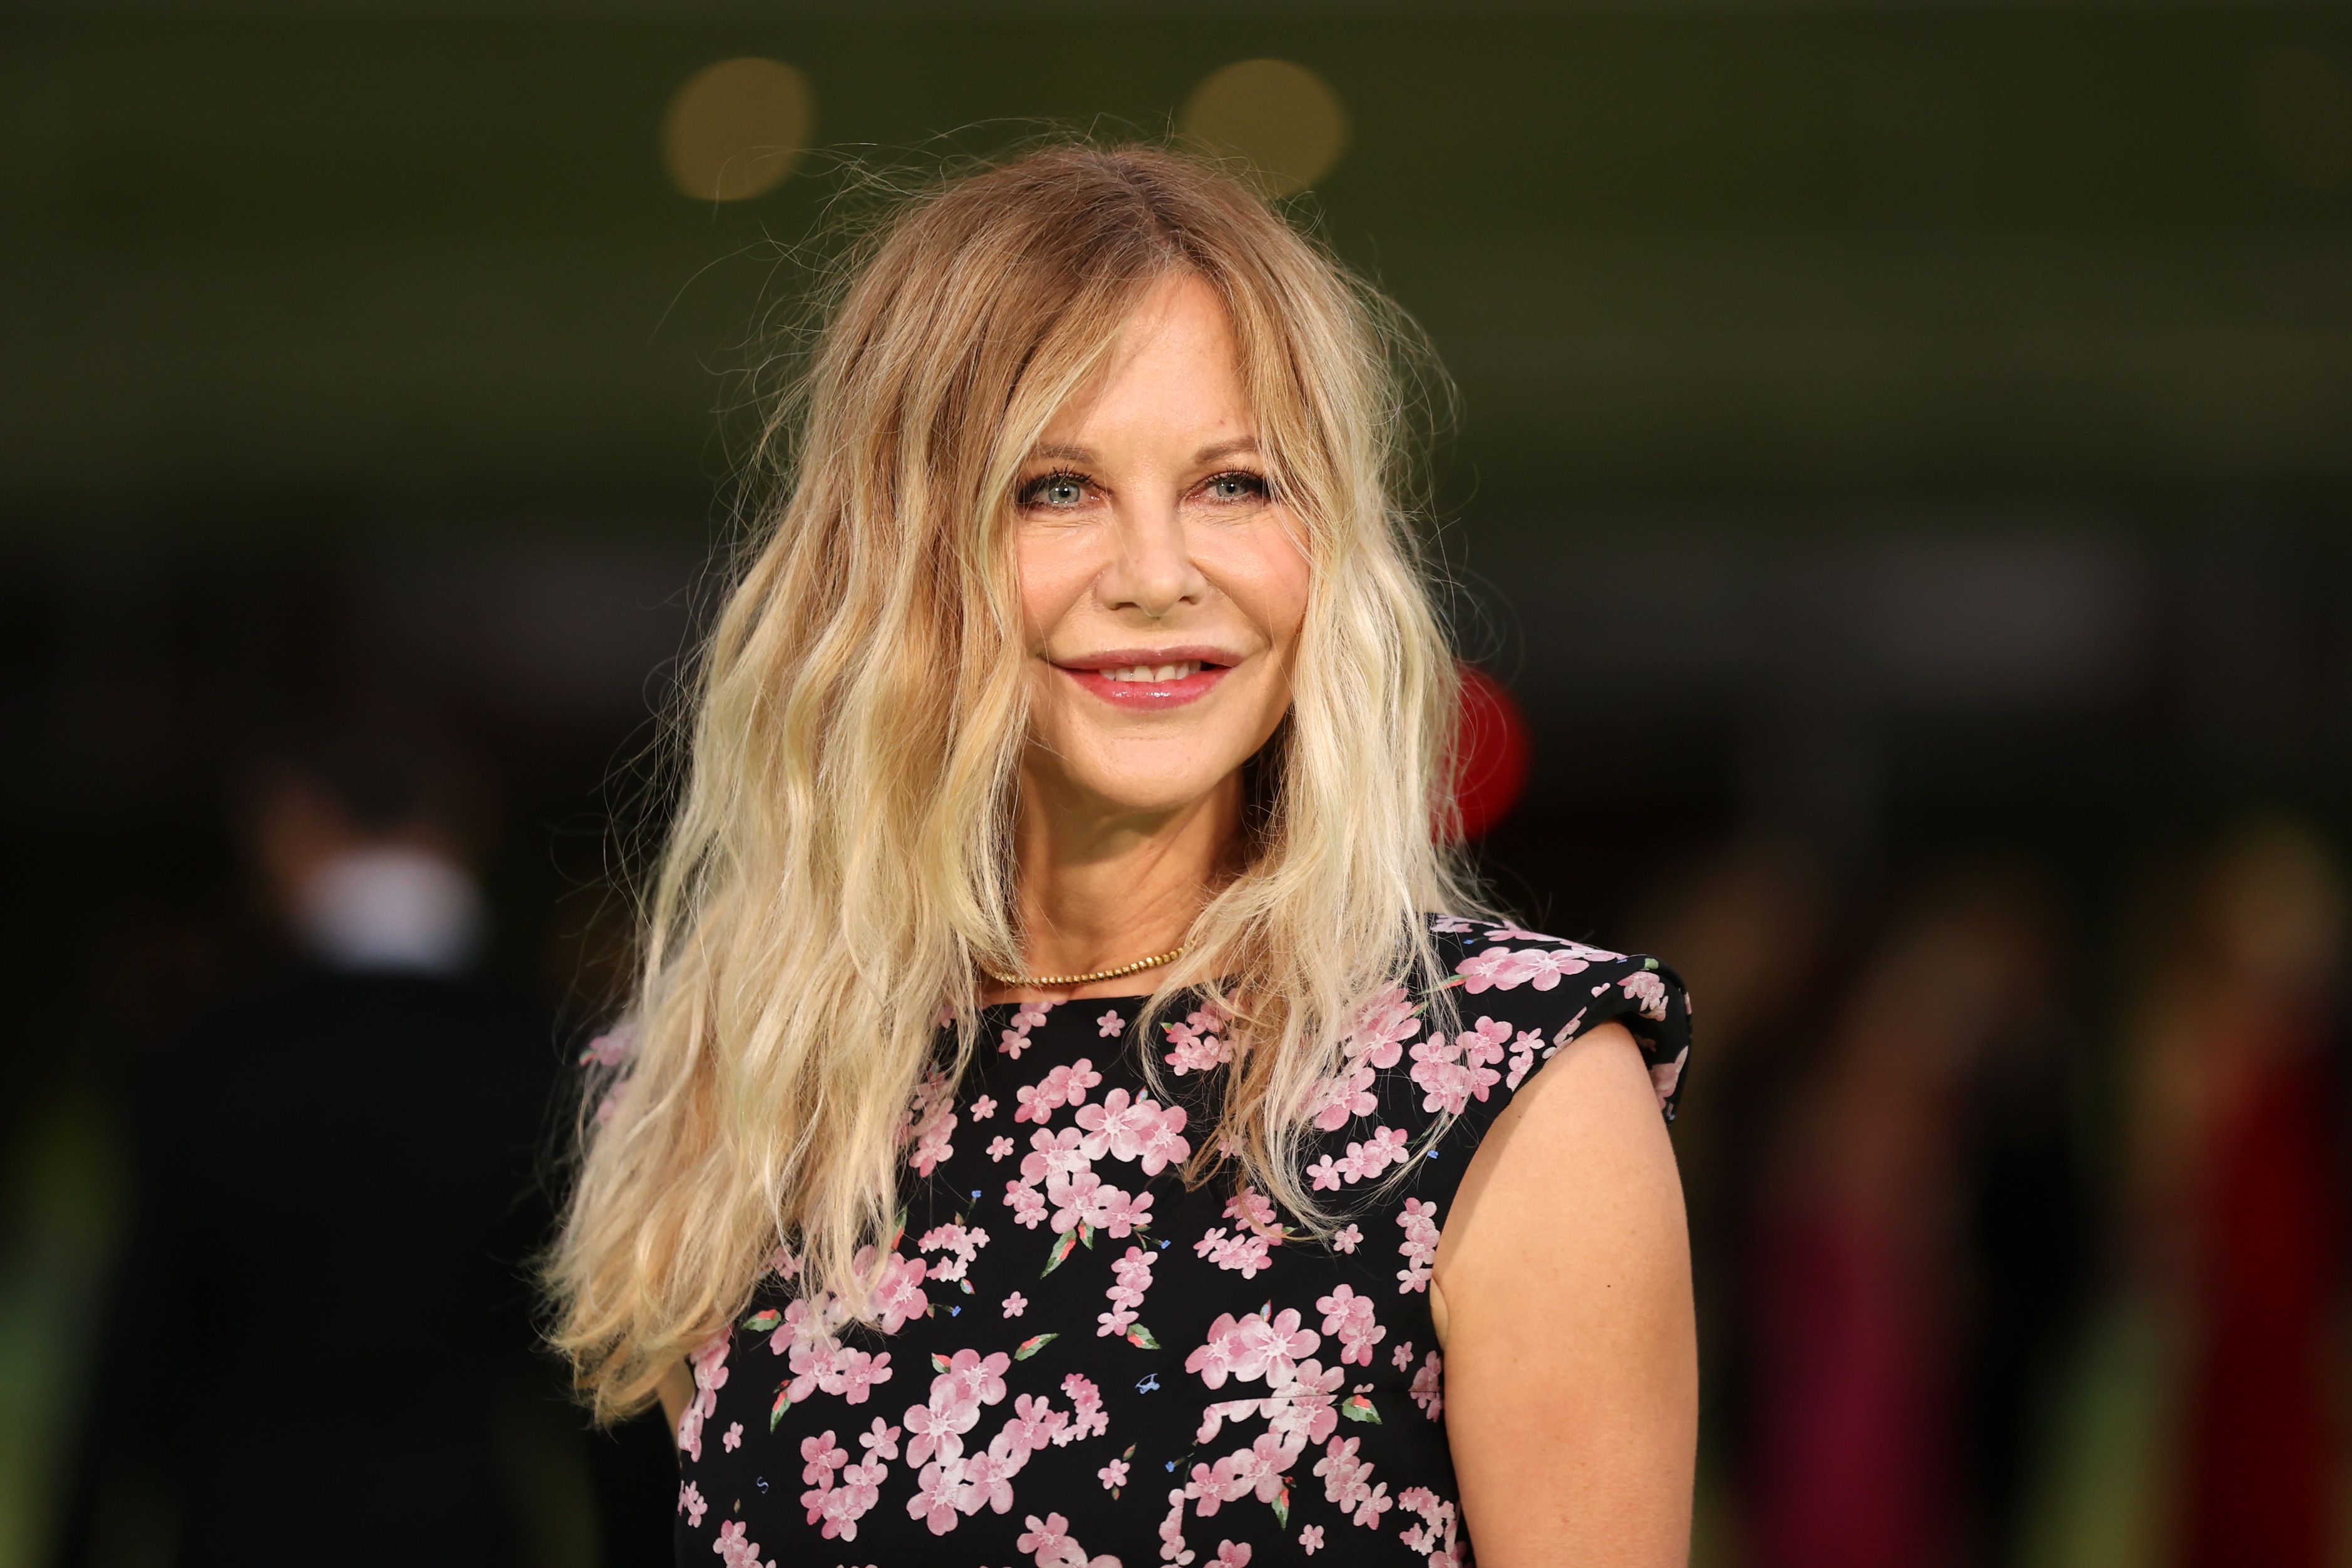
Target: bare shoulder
x=1563 y=1271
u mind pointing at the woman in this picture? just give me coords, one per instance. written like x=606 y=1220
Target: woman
x=1057 y=1124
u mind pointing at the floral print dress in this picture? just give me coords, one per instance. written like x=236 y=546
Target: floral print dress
x=1081 y=1364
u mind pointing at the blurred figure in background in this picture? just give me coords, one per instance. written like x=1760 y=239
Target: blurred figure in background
x=2203 y=1428
x=1751 y=924
x=322 y=1297
x=1899 y=1349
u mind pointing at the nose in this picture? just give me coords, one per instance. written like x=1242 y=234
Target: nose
x=1151 y=567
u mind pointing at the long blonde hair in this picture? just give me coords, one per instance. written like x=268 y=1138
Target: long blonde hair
x=839 y=868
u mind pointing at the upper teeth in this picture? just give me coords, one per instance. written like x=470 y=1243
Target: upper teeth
x=1154 y=671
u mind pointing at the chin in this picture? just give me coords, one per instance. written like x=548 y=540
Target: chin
x=1164 y=779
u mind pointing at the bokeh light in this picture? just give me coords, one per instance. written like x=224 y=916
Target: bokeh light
x=2300 y=102
x=735 y=130
x=1282 y=118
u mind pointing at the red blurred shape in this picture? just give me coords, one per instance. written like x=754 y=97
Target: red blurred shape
x=1490 y=753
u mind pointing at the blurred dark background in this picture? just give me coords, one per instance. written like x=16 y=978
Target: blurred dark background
x=1901 y=476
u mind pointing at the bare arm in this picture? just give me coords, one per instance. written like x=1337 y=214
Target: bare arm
x=1563 y=1302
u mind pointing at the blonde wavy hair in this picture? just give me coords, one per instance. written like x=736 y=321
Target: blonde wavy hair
x=839 y=870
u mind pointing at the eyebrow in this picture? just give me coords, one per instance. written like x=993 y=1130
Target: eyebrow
x=1239 y=447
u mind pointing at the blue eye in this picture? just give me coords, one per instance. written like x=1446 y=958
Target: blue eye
x=1237 y=485
x=1054 y=489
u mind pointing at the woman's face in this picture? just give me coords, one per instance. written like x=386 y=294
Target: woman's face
x=1162 y=585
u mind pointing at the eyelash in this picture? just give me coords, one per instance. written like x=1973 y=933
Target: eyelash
x=1033 y=493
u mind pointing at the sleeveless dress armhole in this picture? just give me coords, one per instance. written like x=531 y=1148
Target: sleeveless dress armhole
x=1516 y=998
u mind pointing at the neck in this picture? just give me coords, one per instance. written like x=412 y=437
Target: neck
x=1101 y=888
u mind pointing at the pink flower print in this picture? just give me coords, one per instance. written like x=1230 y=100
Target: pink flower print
x=1242 y=1253
x=1419 y=1246
x=1337 y=1100
x=983 y=1107
x=1141 y=1130
x=610 y=1106
x=1077 y=1201
x=691 y=1503
x=1449 y=925
x=1645 y=987
x=848 y=1503
x=1348 y=1238
x=1368 y=1512
x=1109 y=1025
x=1012 y=1042
x=1347 y=1479
x=1130 y=1278
x=1163 y=1144
x=1088 y=1419
x=1034 y=1425
x=880 y=1441
x=1246 y=1348
x=1491 y=968
x=1483 y=1042
x=1062 y=1085
x=1123 y=1215
x=1324 y=1174
x=931 y=1146
x=710 y=1365
x=1196 y=1045
x=1113 y=1475
x=734 y=1438
x=1015 y=1304
x=1437 y=1068
x=1052 y=1154
x=822 y=1455
x=1044 y=1537
x=1027 y=1202
x=933 y=1428
x=1429 y=1386
x=1386 y=1147
x=734 y=1550
x=999 y=1147
x=1171 y=1532
x=988 y=1480
x=960 y=1241
x=1543 y=967
x=975 y=1379
x=1257 y=1211
x=1402 y=1357
x=612 y=1049
x=1665 y=1075
x=1229 y=1555
x=1381 y=1028
x=938 y=1491
x=1523 y=1056
x=859 y=1372
x=1350 y=1316
x=1310 y=1540
x=1435 y=1536
x=898 y=1294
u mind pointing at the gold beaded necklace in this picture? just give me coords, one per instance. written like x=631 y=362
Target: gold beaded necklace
x=1057 y=982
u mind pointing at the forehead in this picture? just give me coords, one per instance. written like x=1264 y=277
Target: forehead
x=1174 y=367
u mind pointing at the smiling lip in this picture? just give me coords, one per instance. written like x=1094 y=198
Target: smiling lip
x=1147 y=679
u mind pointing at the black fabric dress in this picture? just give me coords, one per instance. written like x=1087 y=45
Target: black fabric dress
x=1080 y=1362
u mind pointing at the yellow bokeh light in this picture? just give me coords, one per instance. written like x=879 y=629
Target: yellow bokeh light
x=736 y=129
x=1282 y=118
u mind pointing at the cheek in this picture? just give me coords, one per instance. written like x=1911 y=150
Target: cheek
x=1271 y=582
x=1053 y=580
